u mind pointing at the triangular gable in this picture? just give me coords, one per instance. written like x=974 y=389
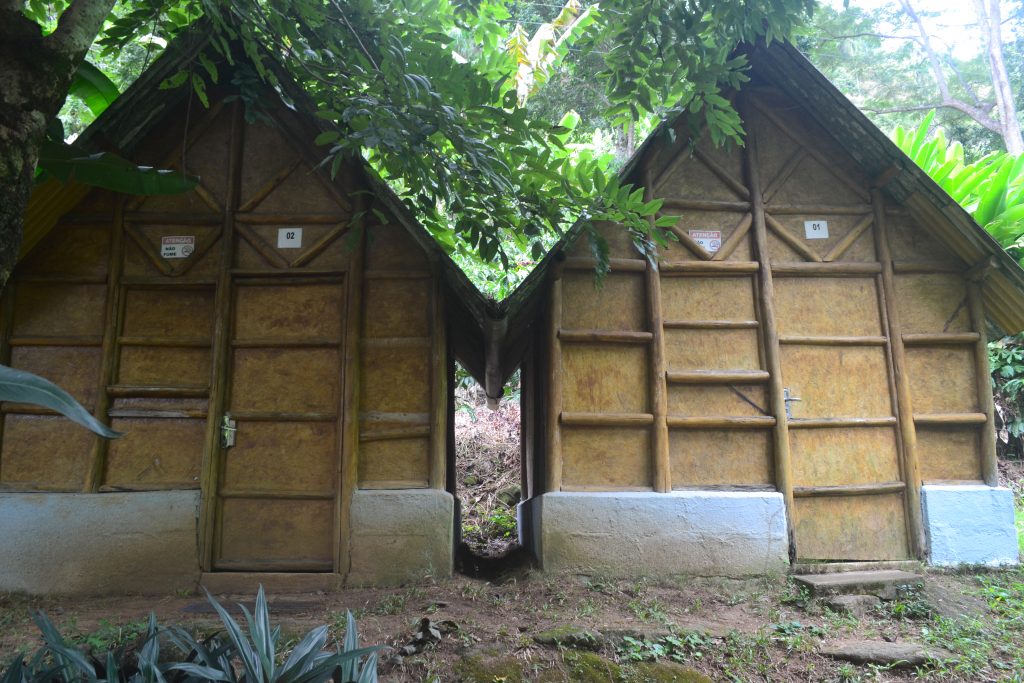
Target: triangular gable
x=879 y=158
x=127 y=122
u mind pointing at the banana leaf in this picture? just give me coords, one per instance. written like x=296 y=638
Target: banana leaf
x=18 y=386
x=66 y=162
x=93 y=87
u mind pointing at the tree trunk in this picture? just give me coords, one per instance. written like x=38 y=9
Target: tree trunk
x=989 y=19
x=35 y=74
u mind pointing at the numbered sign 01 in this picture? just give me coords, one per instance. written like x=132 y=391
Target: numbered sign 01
x=816 y=230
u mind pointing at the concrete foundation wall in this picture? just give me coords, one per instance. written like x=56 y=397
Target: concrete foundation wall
x=684 y=532
x=99 y=543
x=400 y=536
x=969 y=525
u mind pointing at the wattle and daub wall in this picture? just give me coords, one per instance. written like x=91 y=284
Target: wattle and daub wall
x=804 y=359
x=297 y=305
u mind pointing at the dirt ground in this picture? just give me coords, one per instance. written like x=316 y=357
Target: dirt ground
x=758 y=629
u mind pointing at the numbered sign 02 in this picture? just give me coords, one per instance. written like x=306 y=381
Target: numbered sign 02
x=816 y=230
x=289 y=238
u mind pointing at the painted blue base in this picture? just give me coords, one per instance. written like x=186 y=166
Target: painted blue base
x=969 y=525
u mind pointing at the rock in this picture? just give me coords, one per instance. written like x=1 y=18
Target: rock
x=587 y=667
x=857 y=605
x=483 y=669
x=884 y=582
x=887 y=654
x=571 y=637
x=510 y=495
x=617 y=636
x=658 y=672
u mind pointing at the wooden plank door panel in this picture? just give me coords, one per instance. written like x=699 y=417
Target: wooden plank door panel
x=844 y=448
x=280 y=482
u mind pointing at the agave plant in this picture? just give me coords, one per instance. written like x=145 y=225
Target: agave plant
x=210 y=659
x=309 y=661
x=59 y=662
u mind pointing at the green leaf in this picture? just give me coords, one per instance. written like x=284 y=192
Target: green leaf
x=199 y=87
x=93 y=87
x=327 y=137
x=174 y=81
x=18 y=386
x=109 y=171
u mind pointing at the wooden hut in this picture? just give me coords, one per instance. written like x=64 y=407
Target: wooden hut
x=802 y=377
x=274 y=345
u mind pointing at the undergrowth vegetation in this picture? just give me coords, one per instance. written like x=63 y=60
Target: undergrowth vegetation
x=487 y=459
x=136 y=653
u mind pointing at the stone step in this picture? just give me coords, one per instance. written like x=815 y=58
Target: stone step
x=882 y=583
x=894 y=655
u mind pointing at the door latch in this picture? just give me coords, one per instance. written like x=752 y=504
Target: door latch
x=788 y=398
x=227 y=432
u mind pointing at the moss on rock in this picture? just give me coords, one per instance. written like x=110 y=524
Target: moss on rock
x=568 y=635
x=483 y=669
x=588 y=667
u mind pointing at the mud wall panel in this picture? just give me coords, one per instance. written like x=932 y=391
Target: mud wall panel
x=279 y=380
x=59 y=310
x=850 y=527
x=712 y=349
x=164 y=366
x=830 y=457
x=400 y=462
x=155 y=453
x=949 y=453
x=837 y=381
x=283 y=457
x=606 y=458
x=706 y=401
x=604 y=379
x=932 y=303
x=713 y=298
x=740 y=457
x=617 y=304
x=827 y=307
x=44 y=453
x=942 y=379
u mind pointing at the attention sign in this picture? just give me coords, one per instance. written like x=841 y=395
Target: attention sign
x=709 y=240
x=177 y=246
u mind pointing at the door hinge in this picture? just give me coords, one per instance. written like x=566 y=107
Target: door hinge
x=788 y=398
x=227 y=432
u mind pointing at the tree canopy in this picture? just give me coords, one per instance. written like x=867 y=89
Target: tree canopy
x=426 y=89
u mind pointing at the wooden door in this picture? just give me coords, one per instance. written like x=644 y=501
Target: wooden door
x=843 y=432
x=279 y=484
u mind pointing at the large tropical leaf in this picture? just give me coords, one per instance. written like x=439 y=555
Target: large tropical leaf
x=93 y=87
x=18 y=386
x=66 y=162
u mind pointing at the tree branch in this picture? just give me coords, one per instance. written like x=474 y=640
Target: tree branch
x=78 y=27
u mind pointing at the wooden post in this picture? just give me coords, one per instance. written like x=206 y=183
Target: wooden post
x=439 y=388
x=976 y=307
x=904 y=406
x=766 y=301
x=210 y=469
x=527 y=420
x=349 y=474
x=554 y=405
x=661 y=465
x=109 y=362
